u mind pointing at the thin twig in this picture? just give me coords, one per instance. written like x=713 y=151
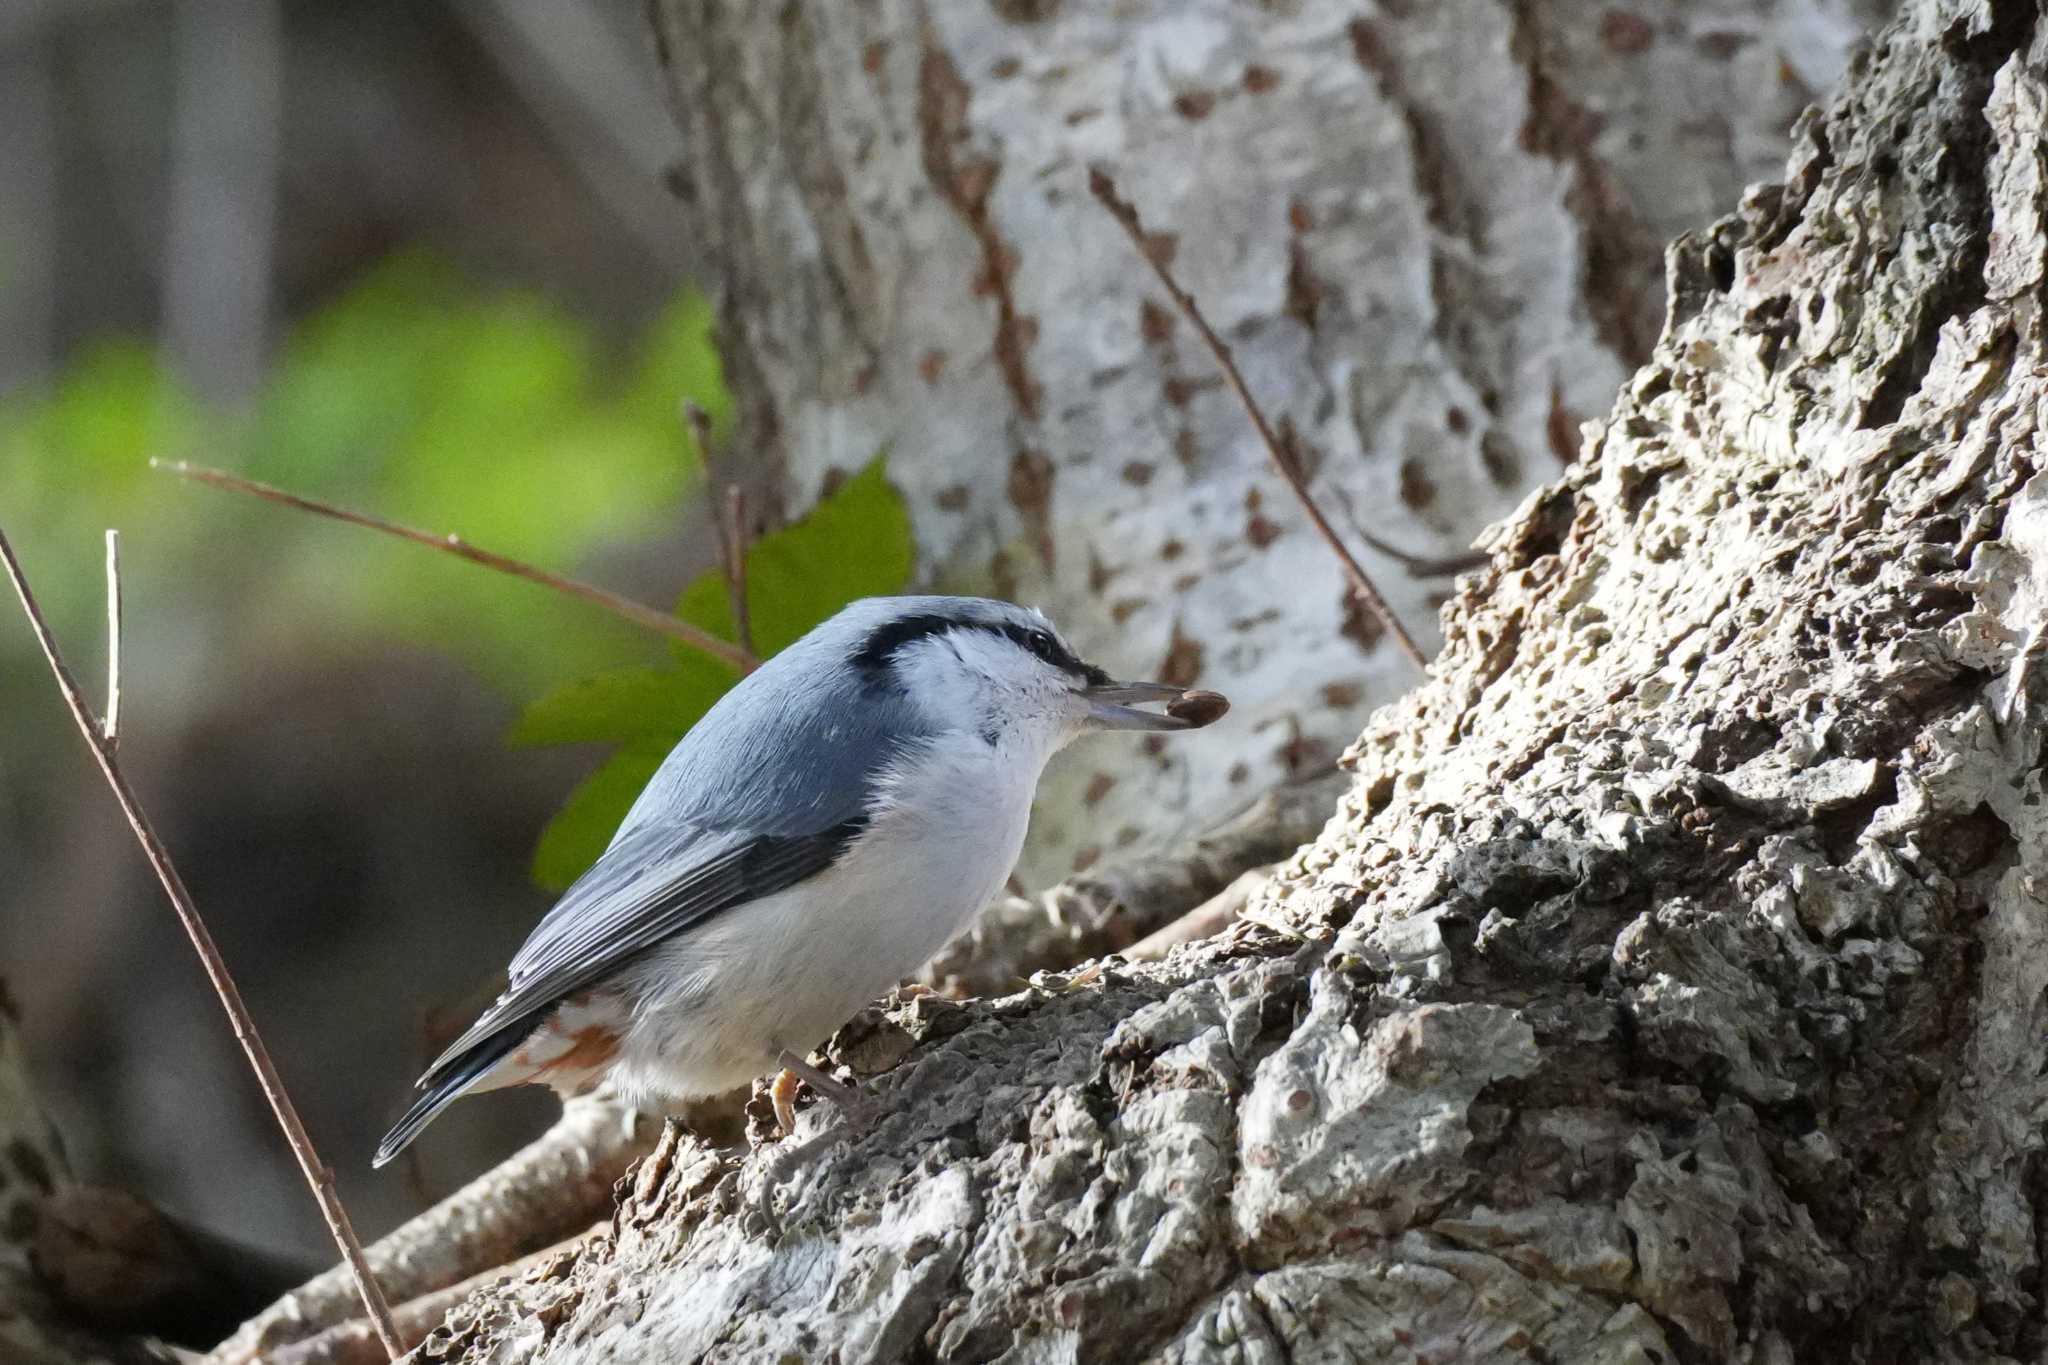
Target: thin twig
x=1418 y=566
x=318 y=1176
x=1104 y=189
x=110 y=723
x=1427 y=566
x=638 y=613
x=736 y=576
x=729 y=524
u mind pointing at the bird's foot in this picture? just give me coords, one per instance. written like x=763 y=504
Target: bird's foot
x=857 y=1109
x=782 y=1095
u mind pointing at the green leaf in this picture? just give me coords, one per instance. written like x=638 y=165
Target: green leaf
x=624 y=705
x=584 y=826
x=855 y=543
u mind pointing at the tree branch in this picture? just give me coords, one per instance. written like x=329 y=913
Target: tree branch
x=1096 y=913
x=624 y=607
x=1206 y=920
x=119 y=1262
x=319 y=1177
x=1104 y=189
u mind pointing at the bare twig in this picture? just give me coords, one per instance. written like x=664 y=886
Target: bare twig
x=729 y=524
x=318 y=1176
x=638 y=613
x=1104 y=189
x=736 y=576
x=1427 y=566
x=1418 y=566
x=110 y=723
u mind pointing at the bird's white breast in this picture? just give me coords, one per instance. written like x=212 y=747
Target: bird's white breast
x=946 y=833
x=715 y=1005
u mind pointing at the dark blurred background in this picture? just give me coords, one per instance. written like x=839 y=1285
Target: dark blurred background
x=413 y=258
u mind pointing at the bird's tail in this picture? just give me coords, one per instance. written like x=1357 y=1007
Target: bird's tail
x=444 y=1085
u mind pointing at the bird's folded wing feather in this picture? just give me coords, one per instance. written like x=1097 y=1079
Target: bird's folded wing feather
x=654 y=881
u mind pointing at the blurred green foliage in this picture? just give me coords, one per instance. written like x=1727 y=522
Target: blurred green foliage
x=496 y=416
x=414 y=394
x=855 y=543
x=73 y=460
x=420 y=397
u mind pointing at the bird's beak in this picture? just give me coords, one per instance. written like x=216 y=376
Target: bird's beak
x=1106 y=709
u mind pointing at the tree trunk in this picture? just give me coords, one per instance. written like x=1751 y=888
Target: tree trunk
x=1431 y=232
x=1672 y=982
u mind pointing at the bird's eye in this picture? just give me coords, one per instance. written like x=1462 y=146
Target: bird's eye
x=1042 y=645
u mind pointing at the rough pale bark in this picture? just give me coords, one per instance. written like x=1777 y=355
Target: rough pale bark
x=1671 y=984
x=1431 y=232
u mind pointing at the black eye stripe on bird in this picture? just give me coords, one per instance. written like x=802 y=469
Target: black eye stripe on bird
x=875 y=652
x=1045 y=645
x=810 y=842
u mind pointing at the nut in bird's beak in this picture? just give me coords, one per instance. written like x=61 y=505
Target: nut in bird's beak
x=1185 y=710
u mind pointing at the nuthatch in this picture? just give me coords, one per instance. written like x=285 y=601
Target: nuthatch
x=832 y=822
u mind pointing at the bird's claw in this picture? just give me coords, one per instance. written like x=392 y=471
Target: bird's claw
x=782 y=1095
x=858 y=1111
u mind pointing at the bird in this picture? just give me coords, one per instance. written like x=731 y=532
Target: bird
x=836 y=818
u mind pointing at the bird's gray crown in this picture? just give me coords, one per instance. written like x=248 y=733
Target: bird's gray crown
x=909 y=619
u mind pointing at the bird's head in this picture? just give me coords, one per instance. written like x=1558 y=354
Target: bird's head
x=1003 y=671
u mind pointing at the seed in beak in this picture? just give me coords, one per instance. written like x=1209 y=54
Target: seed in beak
x=1198 y=708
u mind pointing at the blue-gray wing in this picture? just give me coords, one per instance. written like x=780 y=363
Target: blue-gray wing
x=654 y=883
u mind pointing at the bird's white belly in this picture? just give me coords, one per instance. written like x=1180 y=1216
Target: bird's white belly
x=715 y=1006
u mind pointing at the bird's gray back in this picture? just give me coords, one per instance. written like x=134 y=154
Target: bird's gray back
x=793 y=748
